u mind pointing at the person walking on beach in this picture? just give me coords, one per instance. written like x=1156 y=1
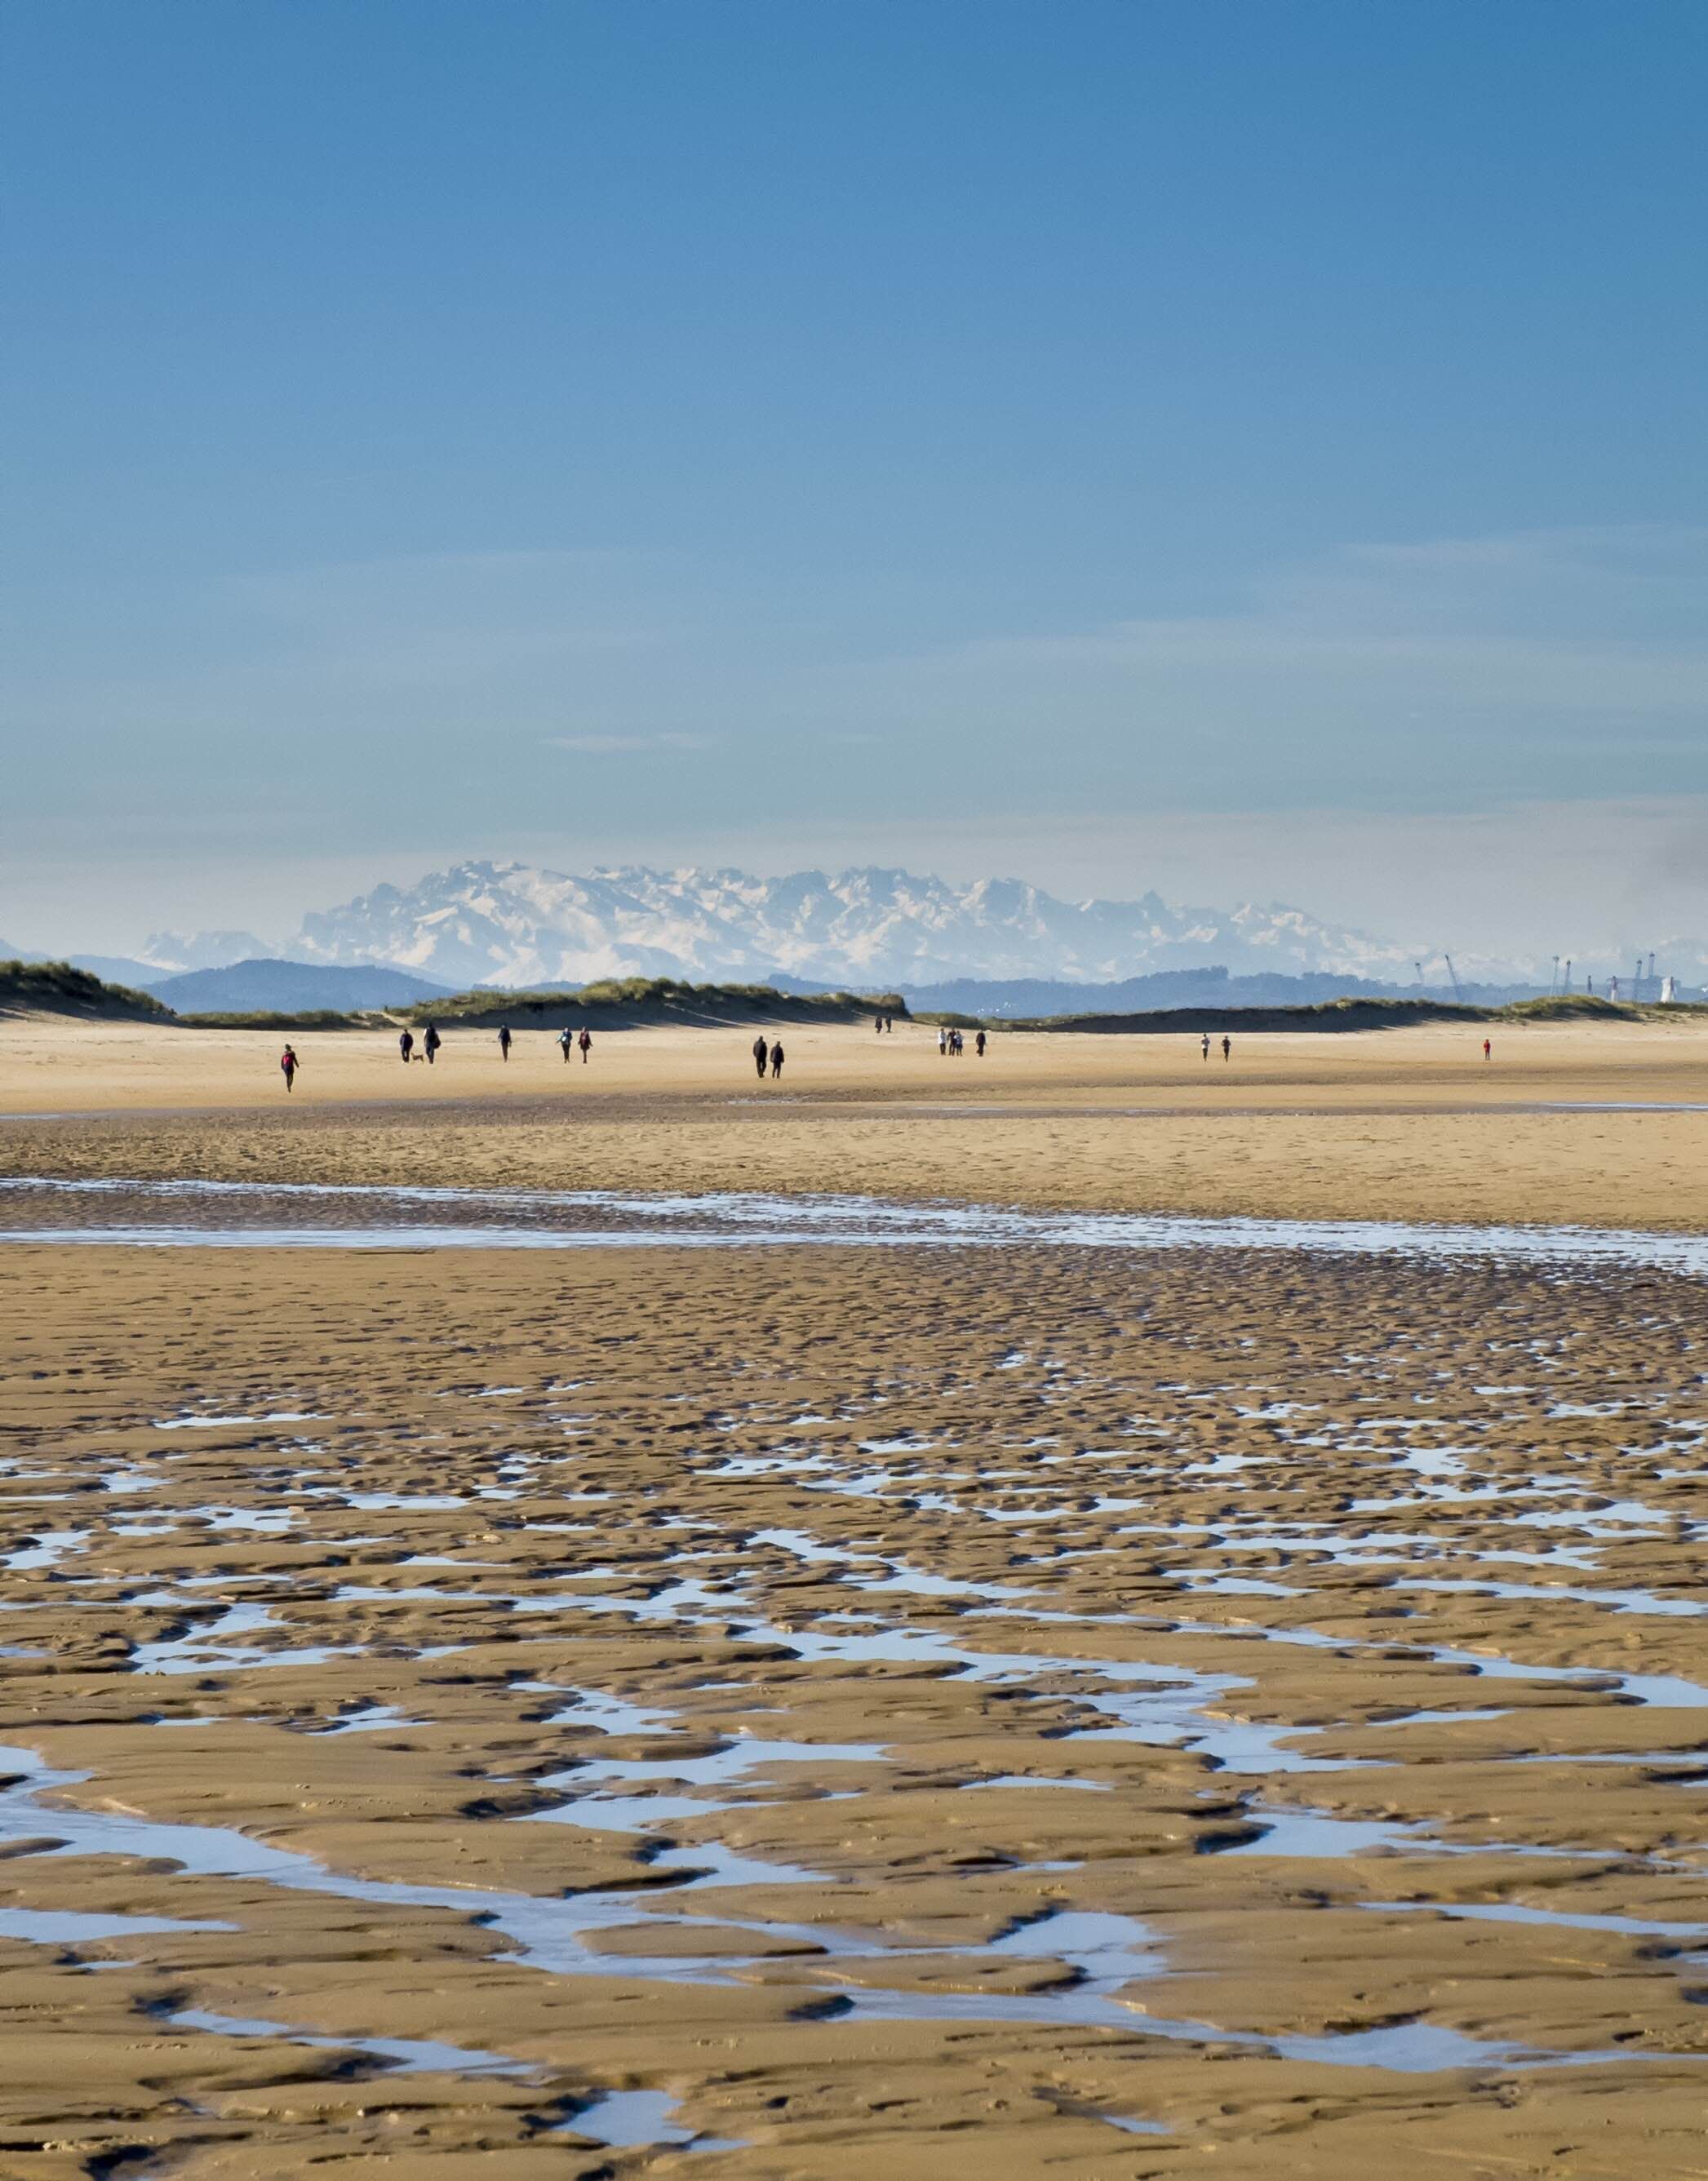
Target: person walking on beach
x=878 y=1024
x=777 y=1062
x=942 y=1041
x=566 y=1038
x=1227 y=1046
x=979 y=1045
x=585 y=1041
x=1205 y=1042
x=288 y=1064
x=405 y=1044
x=1487 y=1049
x=762 y=1053
x=429 y=1044
x=504 y=1041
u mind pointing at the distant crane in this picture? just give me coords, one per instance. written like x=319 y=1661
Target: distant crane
x=1454 y=975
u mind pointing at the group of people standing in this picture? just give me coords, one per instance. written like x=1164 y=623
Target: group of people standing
x=951 y=1045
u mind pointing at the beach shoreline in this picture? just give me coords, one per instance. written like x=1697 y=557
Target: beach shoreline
x=1593 y=1126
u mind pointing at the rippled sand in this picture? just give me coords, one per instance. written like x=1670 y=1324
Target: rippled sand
x=1015 y=1711
x=1033 y=1708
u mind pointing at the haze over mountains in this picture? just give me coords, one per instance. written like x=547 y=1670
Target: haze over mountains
x=513 y=924
x=517 y=924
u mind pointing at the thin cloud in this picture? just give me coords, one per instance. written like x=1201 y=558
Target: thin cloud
x=620 y=745
x=1567 y=620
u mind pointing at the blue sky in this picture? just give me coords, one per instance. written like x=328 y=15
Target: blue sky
x=1243 y=449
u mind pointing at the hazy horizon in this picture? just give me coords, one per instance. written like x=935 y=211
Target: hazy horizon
x=1602 y=951
x=1246 y=453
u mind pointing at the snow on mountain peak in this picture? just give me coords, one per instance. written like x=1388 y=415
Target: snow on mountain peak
x=518 y=924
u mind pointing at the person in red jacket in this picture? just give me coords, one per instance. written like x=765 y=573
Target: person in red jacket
x=288 y=1065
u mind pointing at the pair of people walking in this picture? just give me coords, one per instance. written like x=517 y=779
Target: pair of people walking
x=767 y=1056
x=429 y=1045
x=569 y=1042
x=1227 y=1046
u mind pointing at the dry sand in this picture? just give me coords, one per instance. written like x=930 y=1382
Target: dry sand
x=910 y=1712
x=1407 y=1123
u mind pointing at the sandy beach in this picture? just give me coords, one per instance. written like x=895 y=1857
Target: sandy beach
x=1024 y=1709
x=1592 y=1125
x=765 y=1600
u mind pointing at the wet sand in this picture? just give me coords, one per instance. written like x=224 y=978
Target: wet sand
x=806 y=1711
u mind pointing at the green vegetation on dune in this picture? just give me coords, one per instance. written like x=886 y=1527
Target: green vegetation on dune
x=631 y=1002
x=56 y=988
x=617 y=1003
x=1350 y=1015
x=1591 y=1008
x=265 y=1019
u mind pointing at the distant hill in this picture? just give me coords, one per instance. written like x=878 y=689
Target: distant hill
x=173 y=952
x=275 y=987
x=630 y=1002
x=126 y=970
x=1343 y=1014
x=58 y=988
x=1031 y=997
x=117 y=970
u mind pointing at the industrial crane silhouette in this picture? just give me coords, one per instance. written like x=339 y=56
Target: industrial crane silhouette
x=1452 y=973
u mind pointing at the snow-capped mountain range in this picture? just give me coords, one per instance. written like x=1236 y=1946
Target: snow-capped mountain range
x=512 y=924
x=517 y=924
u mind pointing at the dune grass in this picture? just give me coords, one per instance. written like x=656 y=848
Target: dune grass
x=56 y=988
x=616 y=1001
